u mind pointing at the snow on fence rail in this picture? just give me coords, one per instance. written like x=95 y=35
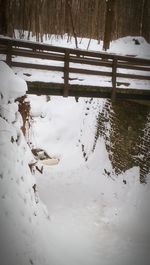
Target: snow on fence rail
x=109 y=63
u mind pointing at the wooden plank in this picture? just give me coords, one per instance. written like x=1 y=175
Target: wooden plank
x=77 y=70
x=66 y=74
x=114 y=79
x=55 y=57
x=82 y=60
x=8 y=55
x=91 y=61
x=31 y=45
x=78 y=52
x=3 y=49
x=136 y=63
x=60 y=69
x=133 y=76
x=58 y=57
x=110 y=56
x=133 y=60
x=42 y=88
x=133 y=67
x=38 y=66
x=89 y=72
x=36 y=54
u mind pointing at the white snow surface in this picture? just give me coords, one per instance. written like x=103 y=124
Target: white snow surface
x=11 y=86
x=122 y=46
x=22 y=238
x=94 y=219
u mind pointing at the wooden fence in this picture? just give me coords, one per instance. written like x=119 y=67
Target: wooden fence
x=13 y=47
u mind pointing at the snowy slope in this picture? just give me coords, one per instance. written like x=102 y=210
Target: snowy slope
x=93 y=217
x=22 y=237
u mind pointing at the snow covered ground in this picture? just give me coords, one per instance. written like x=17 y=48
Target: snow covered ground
x=123 y=46
x=94 y=219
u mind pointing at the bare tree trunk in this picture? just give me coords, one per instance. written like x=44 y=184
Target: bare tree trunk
x=72 y=23
x=99 y=19
x=142 y=17
x=3 y=17
x=108 y=24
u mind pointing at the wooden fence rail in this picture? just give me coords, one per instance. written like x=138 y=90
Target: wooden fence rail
x=111 y=62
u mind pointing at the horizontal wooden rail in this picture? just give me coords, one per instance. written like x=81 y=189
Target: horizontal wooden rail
x=47 y=47
x=107 y=65
x=77 y=70
x=73 y=59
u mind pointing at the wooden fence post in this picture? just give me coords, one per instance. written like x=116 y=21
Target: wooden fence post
x=8 y=56
x=114 y=72
x=66 y=73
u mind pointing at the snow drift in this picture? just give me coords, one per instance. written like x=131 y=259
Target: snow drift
x=23 y=222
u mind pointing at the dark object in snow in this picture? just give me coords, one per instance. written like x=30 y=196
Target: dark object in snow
x=74 y=78
x=124 y=181
x=34 y=188
x=12 y=139
x=105 y=170
x=39 y=169
x=33 y=167
x=27 y=74
x=35 y=193
x=126 y=84
x=43 y=115
x=24 y=109
x=48 y=98
x=77 y=99
x=31 y=262
x=136 y=41
x=84 y=153
x=40 y=153
x=1 y=95
x=107 y=173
